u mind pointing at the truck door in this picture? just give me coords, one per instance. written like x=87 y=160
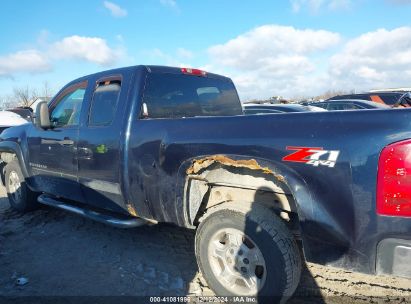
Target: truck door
x=99 y=145
x=52 y=152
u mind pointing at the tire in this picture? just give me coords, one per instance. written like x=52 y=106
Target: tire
x=277 y=268
x=21 y=198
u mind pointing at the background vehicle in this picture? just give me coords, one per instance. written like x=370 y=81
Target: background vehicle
x=348 y=104
x=391 y=98
x=278 y=108
x=10 y=119
x=24 y=112
x=28 y=112
x=150 y=143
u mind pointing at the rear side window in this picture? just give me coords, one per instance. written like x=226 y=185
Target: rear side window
x=178 y=95
x=104 y=103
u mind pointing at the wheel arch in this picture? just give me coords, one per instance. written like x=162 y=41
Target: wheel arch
x=313 y=224
x=206 y=181
x=9 y=150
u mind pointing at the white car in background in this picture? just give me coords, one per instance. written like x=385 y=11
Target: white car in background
x=9 y=119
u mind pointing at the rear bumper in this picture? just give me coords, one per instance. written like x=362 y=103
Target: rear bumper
x=394 y=257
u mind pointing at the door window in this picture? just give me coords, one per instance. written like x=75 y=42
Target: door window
x=104 y=103
x=341 y=106
x=67 y=111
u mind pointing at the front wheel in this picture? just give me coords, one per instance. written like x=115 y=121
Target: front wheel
x=247 y=253
x=21 y=198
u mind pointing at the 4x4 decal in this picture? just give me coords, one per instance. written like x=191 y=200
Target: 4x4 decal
x=314 y=156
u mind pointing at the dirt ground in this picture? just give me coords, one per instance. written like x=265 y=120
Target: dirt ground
x=65 y=255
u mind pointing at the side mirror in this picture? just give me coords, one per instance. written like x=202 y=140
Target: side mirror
x=42 y=119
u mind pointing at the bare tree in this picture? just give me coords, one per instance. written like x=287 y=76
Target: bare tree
x=24 y=95
x=47 y=91
x=7 y=101
x=2 y=102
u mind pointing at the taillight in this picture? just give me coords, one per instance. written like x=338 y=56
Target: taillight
x=394 y=180
x=195 y=72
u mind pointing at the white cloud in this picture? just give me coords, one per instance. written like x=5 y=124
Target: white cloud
x=339 y=4
x=158 y=57
x=314 y=6
x=376 y=59
x=265 y=42
x=169 y=3
x=28 y=61
x=273 y=60
x=399 y=2
x=120 y=38
x=276 y=60
x=184 y=53
x=115 y=9
x=89 y=49
x=92 y=49
x=266 y=61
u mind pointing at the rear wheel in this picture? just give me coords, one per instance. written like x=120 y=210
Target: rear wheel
x=247 y=253
x=21 y=198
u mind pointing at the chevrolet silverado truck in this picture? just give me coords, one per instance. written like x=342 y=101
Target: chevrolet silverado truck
x=143 y=144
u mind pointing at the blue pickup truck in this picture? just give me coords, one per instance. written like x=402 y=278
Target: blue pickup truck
x=146 y=144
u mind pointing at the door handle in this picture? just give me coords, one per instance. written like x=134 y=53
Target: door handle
x=66 y=142
x=85 y=153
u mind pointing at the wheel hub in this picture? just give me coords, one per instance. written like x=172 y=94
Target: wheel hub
x=237 y=262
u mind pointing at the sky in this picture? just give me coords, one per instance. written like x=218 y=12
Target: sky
x=289 y=48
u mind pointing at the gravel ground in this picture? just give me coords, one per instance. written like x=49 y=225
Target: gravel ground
x=65 y=255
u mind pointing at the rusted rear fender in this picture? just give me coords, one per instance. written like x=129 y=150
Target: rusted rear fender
x=317 y=226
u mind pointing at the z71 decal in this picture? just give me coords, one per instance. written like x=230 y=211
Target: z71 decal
x=312 y=156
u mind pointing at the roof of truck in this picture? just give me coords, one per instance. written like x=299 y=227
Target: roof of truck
x=148 y=68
